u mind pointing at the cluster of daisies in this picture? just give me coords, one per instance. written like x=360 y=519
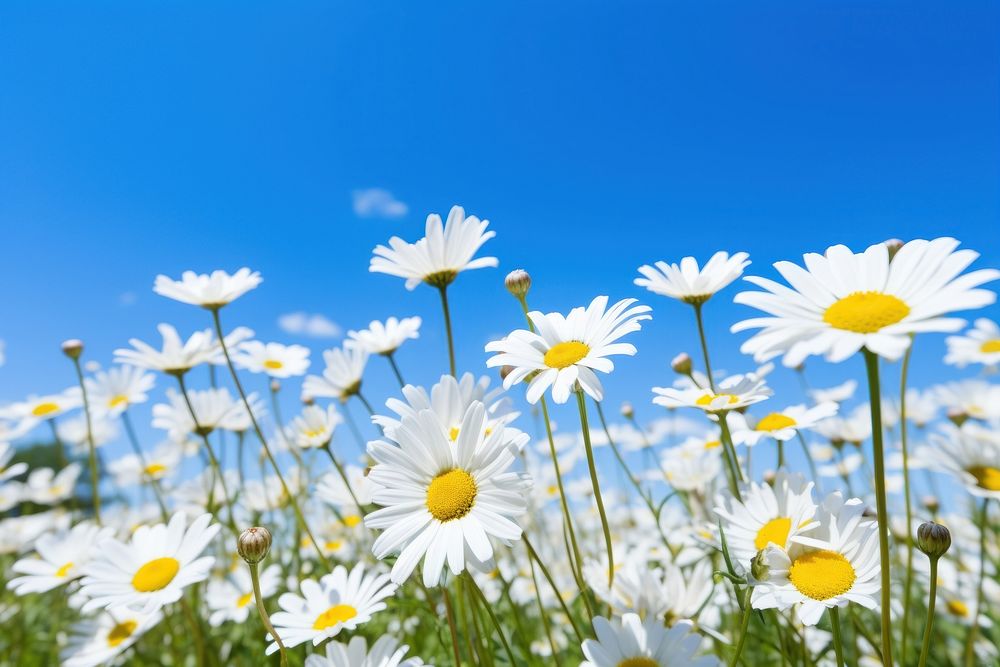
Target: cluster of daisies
x=459 y=522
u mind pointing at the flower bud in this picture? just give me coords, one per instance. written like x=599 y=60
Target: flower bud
x=275 y=386
x=682 y=364
x=253 y=544
x=894 y=246
x=518 y=282
x=627 y=410
x=73 y=348
x=505 y=371
x=759 y=568
x=933 y=539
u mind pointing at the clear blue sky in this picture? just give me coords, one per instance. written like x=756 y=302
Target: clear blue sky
x=139 y=138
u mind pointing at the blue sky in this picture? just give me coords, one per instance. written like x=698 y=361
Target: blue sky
x=140 y=138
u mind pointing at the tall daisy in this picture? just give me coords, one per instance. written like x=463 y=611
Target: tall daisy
x=59 y=559
x=782 y=426
x=632 y=642
x=231 y=599
x=273 y=359
x=836 y=564
x=100 y=640
x=313 y=427
x=385 y=652
x=177 y=357
x=341 y=377
x=35 y=409
x=386 y=337
x=566 y=350
x=843 y=301
x=113 y=391
x=210 y=291
x=978 y=345
x=732 y=393
x=339 y=601
x=442 y=499
x=690 y=284
x=970 y=454
x=153 y=568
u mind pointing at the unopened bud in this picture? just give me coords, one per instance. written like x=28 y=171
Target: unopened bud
x=627 y=410
x=275 y=386
x=958 y=417
x=682 y=364
x=933 y=539
x=73 y=348
x=769 y=477
x=518 y=282
x=307 y=399
x=505 y=371
x=759 y=569
x=253 y=544
x=894 y=246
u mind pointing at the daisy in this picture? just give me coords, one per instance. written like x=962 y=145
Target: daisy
x=690 y=284
x=386 y=338
x=386 y=652
x=213 y=408
x=563 y=352
x=837 y=564
x=839 y=394
x=314 y=427
x=666 y=593
x=75 y=432
x=342 y=376
x=98 y=641
x=970 y=398
x=694 y=465
x=777 y=514
x=7 y=470
x=441 y=255
x=632 y=642
x=338 y=602
x=59 y=558
x=854 y=427
x=208 y=291
x=113 y=391
x=273 y=359
x=441 y=500
x=131 y=469
x=979 y=345
x=968 y=453
x=331 y=489
x=153 y=568
x=782 y=426
x=36 y=409
x=47 y=487
x=732 y=393
x=231 y=598
x=178 y=357
x=844 y=301
x=450 y=399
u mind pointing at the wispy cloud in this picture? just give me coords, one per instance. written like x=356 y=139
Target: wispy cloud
x=313 y=325
x=378 y=203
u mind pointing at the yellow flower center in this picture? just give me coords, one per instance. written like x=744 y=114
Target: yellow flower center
x=639 y=661
x=314 y=433
x=958 y=608
x=43 y=409
x=775 y=422
x=331 y=545
x=117 y=400
x=712 y=444
x=821 y=575
x=565 y=354
x=775 y=530
x=986 y=477
x=708 y=398
x=244 y=600
x=121 y=632
x=451 y=495
x=64 y=570
x=273 y=364
x=551 y=489
x=155 y=574
x=338 y=613
x=351 y=520
x=990 y=346
x=865 y=312
x=453 y=433
x=155 y=469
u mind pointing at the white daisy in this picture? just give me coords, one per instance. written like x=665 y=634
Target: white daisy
x=338 y=602
x=386 y=338
x=75 y=432
x=153 y=568
x=441 y=255
x=231 y=598
x=58 y=559
x=178 y=357
x=854 y=427
x=210 y=291
x=342 y=375
x=783 y=425
x=273 y=359
x=130 y=469
x=778 y=514
x=47 y=487
x=970 y=398
x=314 y=427
x=842 y=392
x=969 y=453
x=836 y=564
x=844 y=301
x=35 y=409
x=331 y=489
x=8 y=470
x=563 y=352
x=694 y=465
x=690 y=284
x=98 y=641
x=385 y=652
x=979 y=345
x=213 y=408
x=665 y=592
x=731 y=393
x=113 y=391
x=632 y=642
x=442 y=499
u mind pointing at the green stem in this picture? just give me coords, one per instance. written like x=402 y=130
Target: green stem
x=731 y=458
x=582 y=405
x=533 y=555
x=264 y=618
x=489 y=611
x=781 y=454
x=343 y=477
x=395 y=369
x=908 y=585
x=875 y=398
x=450 y=613
x=838 y=642
x=92 y=449
x=808 y=455
x=447 y=326
x=364 y=401
x=929 y=623
x=704 y=345
x=970 y=643
x=744 y=624
x=542 y=613
x=150 y=480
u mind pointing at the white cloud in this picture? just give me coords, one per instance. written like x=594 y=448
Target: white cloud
x=378 y=203
x=313 y=325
